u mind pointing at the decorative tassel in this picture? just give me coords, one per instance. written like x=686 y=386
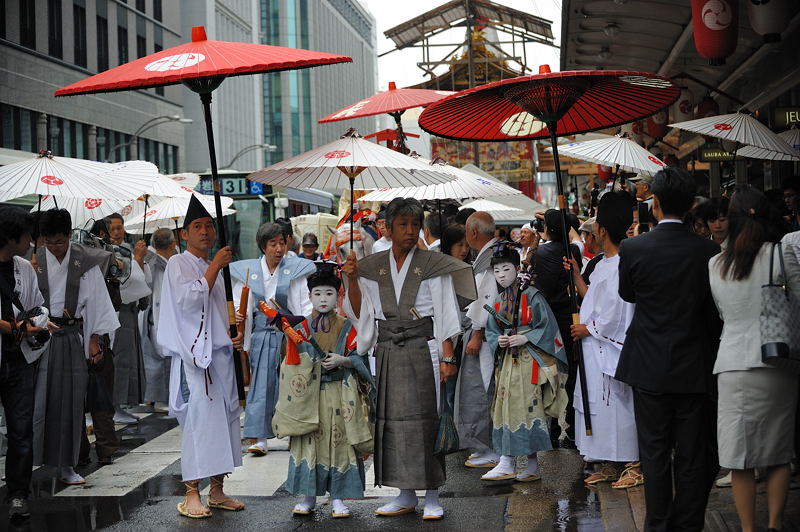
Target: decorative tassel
x=525 y=311
x=292 y=355
x=535 y=372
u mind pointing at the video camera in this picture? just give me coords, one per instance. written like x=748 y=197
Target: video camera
x=119 y=254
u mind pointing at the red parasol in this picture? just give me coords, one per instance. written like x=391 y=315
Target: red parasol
x=545 y=105
x=202 y=65
x=393 y=102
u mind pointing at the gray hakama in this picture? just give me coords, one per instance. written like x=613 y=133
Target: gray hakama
x=407 y=417
x=128 y=362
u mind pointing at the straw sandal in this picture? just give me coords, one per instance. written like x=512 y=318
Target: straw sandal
x=392 y=509
x=184 y=511
x=607 y=473
x=630 y=478
x=227 y=503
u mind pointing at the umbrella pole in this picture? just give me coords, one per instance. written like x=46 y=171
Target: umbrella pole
x=144 y=220
x=36 y=229
x=205 y=98
x=401 y=136
x=178 y=233
x=439 y=210
x=573 y=296
x=614 y=181
x=352 y=210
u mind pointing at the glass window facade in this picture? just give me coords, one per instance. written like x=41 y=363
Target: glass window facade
x=54 y=34
x=27 y=23
x=79 y=31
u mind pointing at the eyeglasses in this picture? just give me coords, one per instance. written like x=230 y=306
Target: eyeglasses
x=56 y=243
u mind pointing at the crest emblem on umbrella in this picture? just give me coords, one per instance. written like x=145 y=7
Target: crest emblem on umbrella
x=92 y=203
x=51 y=180
x=174 y=62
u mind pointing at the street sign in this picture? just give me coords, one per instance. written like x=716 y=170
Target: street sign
x=708 y=155
x=785 y=117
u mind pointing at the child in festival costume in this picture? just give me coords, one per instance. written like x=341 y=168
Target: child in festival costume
x=329 y=458
x=529 y=374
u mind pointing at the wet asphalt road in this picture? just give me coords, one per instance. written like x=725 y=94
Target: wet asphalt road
x=559 y=502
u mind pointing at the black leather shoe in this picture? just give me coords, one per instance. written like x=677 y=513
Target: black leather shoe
x=18 y=509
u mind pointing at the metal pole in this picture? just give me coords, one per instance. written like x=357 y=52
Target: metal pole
x=573 y=295
x=205 y=98
x=352 y=210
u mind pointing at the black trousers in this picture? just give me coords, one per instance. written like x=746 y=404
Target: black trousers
x=686 y=425
x=106 y=442
x=16 y=393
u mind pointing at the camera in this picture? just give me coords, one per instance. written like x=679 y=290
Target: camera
x=538 y=224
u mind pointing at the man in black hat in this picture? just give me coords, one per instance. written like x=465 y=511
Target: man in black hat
x=193 y=330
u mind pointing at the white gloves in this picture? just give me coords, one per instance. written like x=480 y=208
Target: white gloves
x=334 y=360
x=516 y=340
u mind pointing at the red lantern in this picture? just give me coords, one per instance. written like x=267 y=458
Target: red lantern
x=656 y=125
x=715 y=28
x=769 y=17
x=604 y=173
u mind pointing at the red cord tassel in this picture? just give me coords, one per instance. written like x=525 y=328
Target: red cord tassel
x=535 y=372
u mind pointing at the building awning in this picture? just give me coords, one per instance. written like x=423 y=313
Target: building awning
x=311 y=196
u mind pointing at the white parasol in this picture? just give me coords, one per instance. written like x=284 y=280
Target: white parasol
x=465 y=185
x=792 y=138
x=169 y=213
x=619 y=151
x=46 y=174
x=344 y=162
x=497 y=210
x=83 y=211
x=741 y=128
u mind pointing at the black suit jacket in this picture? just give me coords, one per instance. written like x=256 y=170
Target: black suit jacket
x=671 y=343
x=552 y=280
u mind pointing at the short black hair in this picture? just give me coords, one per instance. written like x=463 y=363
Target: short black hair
x=114 y=216
x=432 y=224
x=404 y=207
x=614 y=214
x=55 y=222
x=675 y=191
x=712 y=209
x=15 y=222
x=267 y=232
x=100 y=226
x=452 y=234
x=554 y=221
x=463 y=214
x=286 y=227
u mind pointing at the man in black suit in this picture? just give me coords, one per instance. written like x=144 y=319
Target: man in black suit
x=668 y=356
x=550 y=277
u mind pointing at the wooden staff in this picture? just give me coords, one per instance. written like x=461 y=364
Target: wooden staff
x=243 y=356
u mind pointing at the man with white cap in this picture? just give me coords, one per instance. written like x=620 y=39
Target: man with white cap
x=529 y=239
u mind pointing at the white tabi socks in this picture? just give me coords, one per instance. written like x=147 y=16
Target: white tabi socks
x=306 y=506
x=531 y=472
x=432 y=508
x=486 y=458
x=340 y=509
x=69 y=476
x=404 y=503
x=503 y=470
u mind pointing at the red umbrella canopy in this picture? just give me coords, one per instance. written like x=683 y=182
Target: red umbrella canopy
x=391 y=101
x=200 y=59
x=574 y=101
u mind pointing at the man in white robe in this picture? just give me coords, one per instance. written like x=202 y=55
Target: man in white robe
x=72 y=283
x=605 y=318
x=193 y=330
x=397 y=299
x=475 y=388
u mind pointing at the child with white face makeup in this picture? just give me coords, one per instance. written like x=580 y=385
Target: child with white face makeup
x=530 y=368
x=330 y=457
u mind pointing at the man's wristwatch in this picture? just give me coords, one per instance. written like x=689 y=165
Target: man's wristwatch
x=450 y=360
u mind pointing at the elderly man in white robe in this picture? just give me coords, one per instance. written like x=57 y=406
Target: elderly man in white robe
x=193 y=330
x=398 y=299
x=72 y=283
x=475 y=386
x=605 y=318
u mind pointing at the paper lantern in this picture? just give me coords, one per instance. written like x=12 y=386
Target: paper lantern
x=716 y=28
x=769 y=17
x=682 y=109
x=656 y=126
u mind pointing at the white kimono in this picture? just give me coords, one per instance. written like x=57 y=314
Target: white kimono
x=607 y=317
x=436 y=297
x=27 y=286
x=487 y=292
x=193 y=330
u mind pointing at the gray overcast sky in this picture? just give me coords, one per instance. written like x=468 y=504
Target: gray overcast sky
x=400 y=66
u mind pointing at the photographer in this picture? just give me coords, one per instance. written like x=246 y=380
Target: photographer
x=19 y=291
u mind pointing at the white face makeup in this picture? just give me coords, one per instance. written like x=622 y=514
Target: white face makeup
x=505 y=273
x=323 y=298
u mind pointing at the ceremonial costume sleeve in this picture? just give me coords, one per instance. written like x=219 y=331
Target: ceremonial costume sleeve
x=446 y=318
x=487 y=291
x=371 y=310
x=183 y=324
x=298 y=300
x=95 y=307
x=135 y=287
x=544 y=332
x=492 y=333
